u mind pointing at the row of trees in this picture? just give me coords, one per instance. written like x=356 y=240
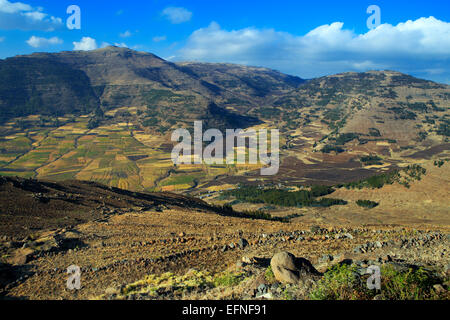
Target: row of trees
x=301 y=198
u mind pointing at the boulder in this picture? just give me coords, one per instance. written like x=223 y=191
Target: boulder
x=289 y=269
x=242 y=243
x=21 y=256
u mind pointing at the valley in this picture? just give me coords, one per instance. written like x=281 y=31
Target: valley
x=87 y=179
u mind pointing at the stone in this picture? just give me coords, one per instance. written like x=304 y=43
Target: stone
x=267 y=296
x=289 y=269
x=326 y=258
x=262 y=288
x=13 y=244
x=21 y=256
x=447 y=269
x=111 y=291
x=248 y=260
x=242 y=243
x=315 y=229
x=439 y=288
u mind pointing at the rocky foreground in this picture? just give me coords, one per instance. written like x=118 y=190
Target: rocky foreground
x=186 y=254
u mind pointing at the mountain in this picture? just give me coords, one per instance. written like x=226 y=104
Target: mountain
x=38 y=85
x=107 y=115
x=79 y=82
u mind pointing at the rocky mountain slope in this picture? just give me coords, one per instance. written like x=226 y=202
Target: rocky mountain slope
x=334 y=129
x=185 y=250
x=118 y=77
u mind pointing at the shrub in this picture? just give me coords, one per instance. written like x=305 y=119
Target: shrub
x=371 y=160
x=329 y=148
x=229 y=279
x=301 y=198
x=269 y=276
x=341 y=282
x=407 y=285
x=344 y=282
x=367 y=203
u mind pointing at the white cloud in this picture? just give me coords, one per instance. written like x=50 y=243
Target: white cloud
x=121 y=45
x=159 y=38
x=8 y=7
x=126 y=34
x=21 y=16
x=177 y=15
x=85 y=44
x=414 y=46
x=37 y=42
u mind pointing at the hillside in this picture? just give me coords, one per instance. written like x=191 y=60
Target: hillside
x=173 y=247
x=115 y=77
x=86 y=179
x=111 y=119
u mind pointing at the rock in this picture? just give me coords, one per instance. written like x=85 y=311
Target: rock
x=358 y=249
x=315 y=229
x=111 y=291
x=447 y=269
x=21 y=256
x=289 y=269
x=267 y=296
x=262 y=288
x=231 y=245
x=439 y=288
x=348 y=236
x=224 y=248
x=242 y=243
x=13 y=244
x=248 y=260
x=326 y=258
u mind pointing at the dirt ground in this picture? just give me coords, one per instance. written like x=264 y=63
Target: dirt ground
x=125 y=237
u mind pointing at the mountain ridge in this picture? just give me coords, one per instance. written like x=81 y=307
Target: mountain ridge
x=120 y=134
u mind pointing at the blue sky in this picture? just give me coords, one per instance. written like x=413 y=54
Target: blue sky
x=304 y=38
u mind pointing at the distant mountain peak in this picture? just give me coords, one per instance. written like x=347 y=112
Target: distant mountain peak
x=113 y=48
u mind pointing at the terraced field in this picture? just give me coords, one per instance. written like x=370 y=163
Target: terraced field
x=116 y=154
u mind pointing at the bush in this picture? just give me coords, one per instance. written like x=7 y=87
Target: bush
x=343 y=282
x=408 y=285
x=229 y=279
x=375 y=182
x=367 y=203
x=301 y=198
x=329 y=148
x=269 y=276
x=371 y=160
